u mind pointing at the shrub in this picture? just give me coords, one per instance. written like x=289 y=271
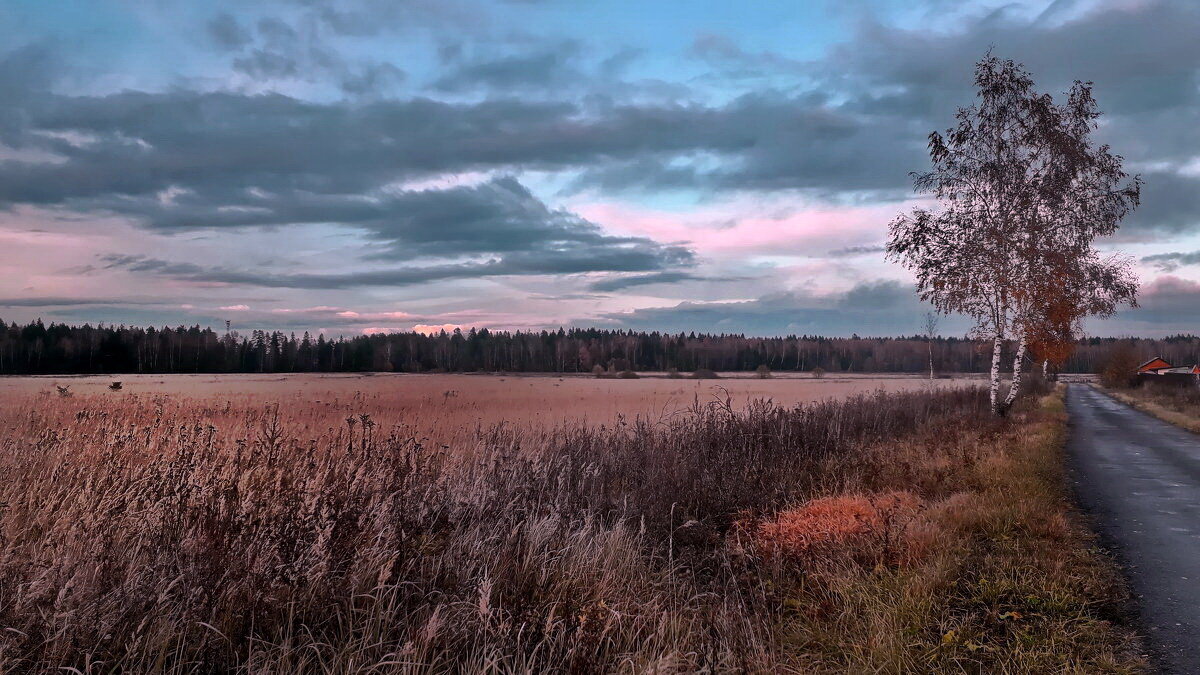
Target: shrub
x=1120 y=368
x=673 y=373
x=627 y=375
x=704 y=374
x=598 y=370
x=762 y=372
x=818 y=372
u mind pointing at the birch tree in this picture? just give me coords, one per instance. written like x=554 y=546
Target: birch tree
x=1022 y=193
x=931 y=326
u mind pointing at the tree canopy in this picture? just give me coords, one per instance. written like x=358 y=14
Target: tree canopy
x=1022 y=193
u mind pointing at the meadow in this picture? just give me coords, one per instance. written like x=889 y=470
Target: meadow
x=445 y=405
x=533 y=524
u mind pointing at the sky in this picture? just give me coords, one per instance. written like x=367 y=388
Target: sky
x=357 y=166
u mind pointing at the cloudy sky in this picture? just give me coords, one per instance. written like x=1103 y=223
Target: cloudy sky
x=362 y=165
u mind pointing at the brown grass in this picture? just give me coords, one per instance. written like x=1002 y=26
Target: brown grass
x=521 y=399
x=1178 y=405
x=147 y=533
x=989 y=571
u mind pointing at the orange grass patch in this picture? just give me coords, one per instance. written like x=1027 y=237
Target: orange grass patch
x=844 y=526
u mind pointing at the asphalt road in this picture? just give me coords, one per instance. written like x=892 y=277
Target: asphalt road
x=1140 y=479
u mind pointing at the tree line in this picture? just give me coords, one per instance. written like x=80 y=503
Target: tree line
x=37 y=348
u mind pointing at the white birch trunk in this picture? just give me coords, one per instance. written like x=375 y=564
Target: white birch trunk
x=1045 y=369
x=1016 y=378
x=995 y=388
x=931 y=360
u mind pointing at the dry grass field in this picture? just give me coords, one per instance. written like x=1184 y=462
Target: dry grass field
x=455 y=404
x=476 y=524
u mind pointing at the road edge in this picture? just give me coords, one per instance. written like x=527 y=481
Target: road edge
x=1179 y=419
x=1126 y=613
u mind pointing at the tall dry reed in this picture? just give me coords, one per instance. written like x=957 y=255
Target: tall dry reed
x=150 y=534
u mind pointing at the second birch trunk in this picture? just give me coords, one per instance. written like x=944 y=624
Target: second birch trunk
x=994 y=392
x=1018 y=357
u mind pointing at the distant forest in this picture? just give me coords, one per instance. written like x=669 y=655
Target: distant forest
x=37 y=348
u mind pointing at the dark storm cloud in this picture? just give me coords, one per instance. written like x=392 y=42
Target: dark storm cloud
x=499 y=224
x=575 y=261
x=885 y=308
x=183 y=159
x=549 y=66
x=277 y=31
x=499 y=216
x=372 y=78
x=49 y=301
x=26 y=74
x=140 y=263
x=1142 y=57
x=139 y=143
x=767 y=141
x=277 y=50
x=266 y=65
x=730 y=61
x=892 y=87
x=364 y=18
x=1169 y=262
x=1170 y=204
x=875 y=308
x=227 y=32
x=619 y=283
x=851 y=251
x=616 y=64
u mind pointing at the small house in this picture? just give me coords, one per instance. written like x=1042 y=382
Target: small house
x=1157 y=371
x=1153 y=365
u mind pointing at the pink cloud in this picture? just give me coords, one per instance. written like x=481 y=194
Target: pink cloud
x=321 y=309
x=1170 y=284
x=235 y=308
x=327 y=311
x=749 y=226
x=425 y=329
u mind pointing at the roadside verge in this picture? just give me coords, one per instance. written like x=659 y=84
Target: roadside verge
x=1009 y=577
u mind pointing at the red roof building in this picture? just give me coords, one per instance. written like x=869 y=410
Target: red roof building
x=1159 y=372
x=1154 y=364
